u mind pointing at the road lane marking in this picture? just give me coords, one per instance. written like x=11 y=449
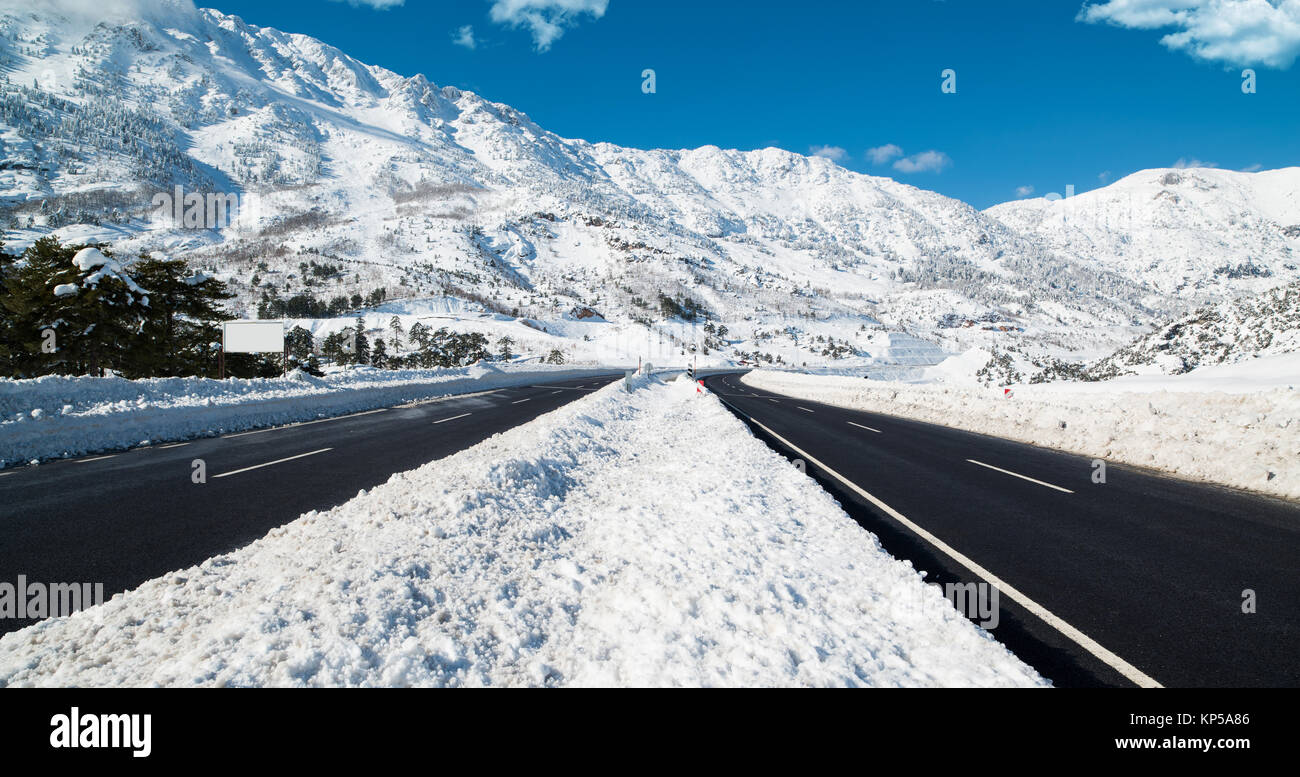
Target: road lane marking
x=520 y=401
x=1016 y=475
x=1137 y=676
x=770 y=399
x=438 y=400
x=174 y=445
x=453 y=418
x=97 y=458
x=304 y=423
x=245 y=434
x=806 y=410
x=553 y=393
x=269 y=463
x=2 y=474
x=868 y=428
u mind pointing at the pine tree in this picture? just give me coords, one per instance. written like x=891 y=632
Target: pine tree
x=181 y=319
x=361 y=353
x=299 y=343
x=333 y=348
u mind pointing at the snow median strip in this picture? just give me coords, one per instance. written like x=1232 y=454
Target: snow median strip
x=626 y=539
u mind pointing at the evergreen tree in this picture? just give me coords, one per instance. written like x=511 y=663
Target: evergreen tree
x=299 y=343
x=419 y=335
x=333 y=348
x=361 y=351
x=379 y=357
x=180 y=322
x=396 y=334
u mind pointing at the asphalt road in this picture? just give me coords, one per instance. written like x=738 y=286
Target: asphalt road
x=126 y=518
x=1151 y=571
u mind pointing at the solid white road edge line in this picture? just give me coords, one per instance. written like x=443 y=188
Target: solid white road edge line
x=1016 y=475
x=1051 y=619
x=868 y=428
x=453 y=418
x=269 y=463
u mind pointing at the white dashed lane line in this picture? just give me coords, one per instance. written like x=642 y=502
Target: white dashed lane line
x=868 y=428
x=270 y=463
x=1017 y=475
x=806 y=410
x=520 y=401
x=453 y=418
x=304 y=423
x=176 y=445
x=97 y=458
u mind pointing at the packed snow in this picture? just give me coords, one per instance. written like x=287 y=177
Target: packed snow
x=1236 y=425
x=627 y=539
x=56 y=416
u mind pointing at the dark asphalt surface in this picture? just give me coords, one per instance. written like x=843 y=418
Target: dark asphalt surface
x=130 y=517
x=1150 y=567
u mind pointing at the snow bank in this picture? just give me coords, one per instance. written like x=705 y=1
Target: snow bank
x=1208 y=426
x=58 y=416
x=627 y=539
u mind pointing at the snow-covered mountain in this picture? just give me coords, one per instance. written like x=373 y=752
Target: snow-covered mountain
x=1228 y=332
x=1193 y=234
x=352 y=178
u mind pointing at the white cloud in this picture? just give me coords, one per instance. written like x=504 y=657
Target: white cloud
x=1238 y=32
x=378 y=5
x=1184 y=163
x=1104 y=176
x=1024 y=191
x=881 y=155
x=547 y=19
x=1255 y=168
x=465 y=37
x=833 y=153
x=924 y=162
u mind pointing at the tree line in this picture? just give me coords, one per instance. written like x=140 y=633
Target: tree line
x=146 y=318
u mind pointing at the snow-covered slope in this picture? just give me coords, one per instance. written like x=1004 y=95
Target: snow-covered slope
x=353 y=178
x=1193 y=234
x=1225 y=333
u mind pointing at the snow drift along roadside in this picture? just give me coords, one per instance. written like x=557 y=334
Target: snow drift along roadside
x=1246 y=440
x=641 y=539
x=58 y=416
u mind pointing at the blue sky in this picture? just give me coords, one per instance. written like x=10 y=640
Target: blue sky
x=1044 y=98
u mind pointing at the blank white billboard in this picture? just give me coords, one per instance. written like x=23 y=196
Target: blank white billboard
x=253 y=337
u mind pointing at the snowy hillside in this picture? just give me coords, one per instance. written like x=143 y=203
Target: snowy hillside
x=352 y=179
x=1193 y=234
x=1225 y=333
